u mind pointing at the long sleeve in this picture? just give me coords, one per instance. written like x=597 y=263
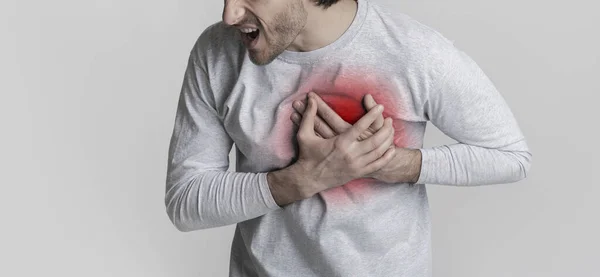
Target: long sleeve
x=200 y=192
x=466 y=106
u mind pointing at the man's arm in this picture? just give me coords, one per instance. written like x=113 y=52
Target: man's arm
x=466 y=106
x=201 y=194
x=405 y=166
x=325 y=163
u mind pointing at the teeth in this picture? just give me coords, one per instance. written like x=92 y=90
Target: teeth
x=248 y=30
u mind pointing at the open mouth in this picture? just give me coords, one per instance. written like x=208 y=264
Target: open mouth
x=250 y=36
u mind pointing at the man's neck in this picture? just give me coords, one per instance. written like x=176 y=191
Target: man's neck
x=324 y=26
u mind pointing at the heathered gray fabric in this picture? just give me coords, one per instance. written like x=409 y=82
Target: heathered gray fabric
x=375 y=229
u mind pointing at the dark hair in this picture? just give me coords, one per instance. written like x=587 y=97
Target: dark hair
x=326 y=3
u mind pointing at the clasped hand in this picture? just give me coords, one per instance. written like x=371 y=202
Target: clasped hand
x=338 y=153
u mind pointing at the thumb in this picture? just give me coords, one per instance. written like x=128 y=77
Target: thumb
x=307 y=126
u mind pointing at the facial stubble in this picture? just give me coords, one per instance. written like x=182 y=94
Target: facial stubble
x=286 y=26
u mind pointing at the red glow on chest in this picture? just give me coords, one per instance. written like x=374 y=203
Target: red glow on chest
x=348 y=108
x=344 y=93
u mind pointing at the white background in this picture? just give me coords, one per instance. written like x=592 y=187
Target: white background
x=88 y=94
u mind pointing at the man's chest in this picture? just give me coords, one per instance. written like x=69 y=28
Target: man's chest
x=258 y=105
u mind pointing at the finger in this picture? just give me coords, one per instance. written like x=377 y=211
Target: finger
x=376 y=144
x=296 y=118
x=299 y=106
x=364 y=122
x=380 y=163
x=321 y=127
x=374 y=155
x=307 y=125
x=338 y=124
x=370 y=103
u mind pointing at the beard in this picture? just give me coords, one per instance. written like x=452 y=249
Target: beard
x=286 y=26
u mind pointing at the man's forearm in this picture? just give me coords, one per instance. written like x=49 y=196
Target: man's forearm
x=286 y=185
x=413 y=168
x=468 y=165
x=214 y=198
x=404 y=168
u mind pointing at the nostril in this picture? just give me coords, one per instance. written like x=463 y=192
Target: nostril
x=232 y=14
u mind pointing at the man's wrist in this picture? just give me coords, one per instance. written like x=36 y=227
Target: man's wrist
x=286 y=185
x=405 y=167
x=414 y=171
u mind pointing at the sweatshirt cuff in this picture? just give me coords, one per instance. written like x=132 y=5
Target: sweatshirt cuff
x=265 y=191
x=425 y=166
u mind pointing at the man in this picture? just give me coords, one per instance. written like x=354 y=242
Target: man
x=330 y=183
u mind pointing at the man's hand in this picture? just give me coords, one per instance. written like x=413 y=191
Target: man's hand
x=406 y=165
x=329 y=162
x=329 y=124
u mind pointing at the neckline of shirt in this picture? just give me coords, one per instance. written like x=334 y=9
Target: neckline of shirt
x=316 y=55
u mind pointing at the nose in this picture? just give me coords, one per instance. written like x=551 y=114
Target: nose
x=233 y=12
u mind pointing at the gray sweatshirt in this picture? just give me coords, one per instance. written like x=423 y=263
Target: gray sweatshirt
x=365 y=227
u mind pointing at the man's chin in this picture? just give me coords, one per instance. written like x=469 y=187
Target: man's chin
x=261 y=58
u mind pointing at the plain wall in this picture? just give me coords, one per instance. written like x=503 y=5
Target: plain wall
x=88 y=94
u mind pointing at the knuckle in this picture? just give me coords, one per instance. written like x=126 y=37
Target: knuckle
x=390 y=127
x=351 y=167
x=385 y=140
x=378 y=139
x=300 y=137
x=318 y=124
x=377 y=154
x=341 y=144
x=374 y=144
x=348 y=159
x=356 y=170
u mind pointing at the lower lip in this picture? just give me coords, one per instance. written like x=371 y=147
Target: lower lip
x=250 y=43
